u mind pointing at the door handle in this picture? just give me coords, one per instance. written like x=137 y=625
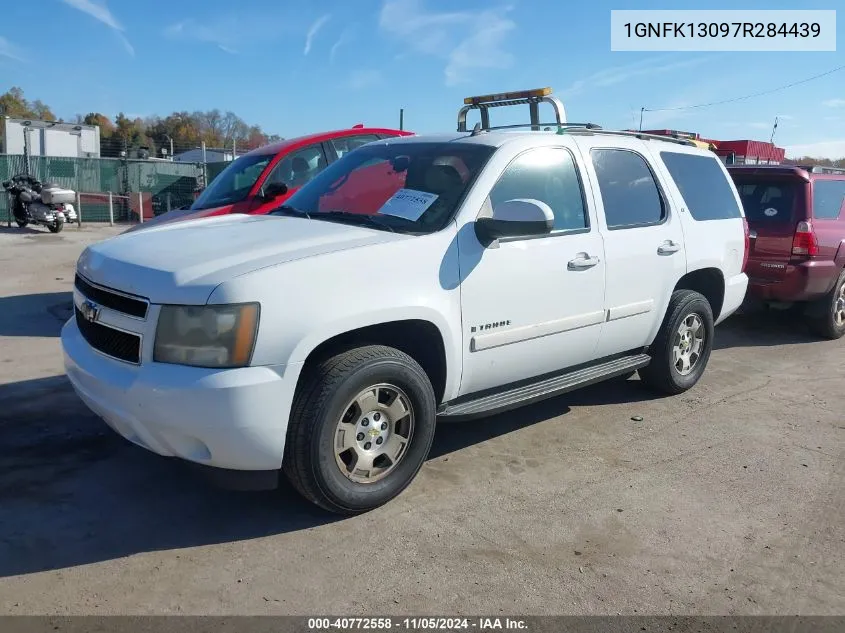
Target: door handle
x=582 y=262
x=667 y=248
x=752 y=234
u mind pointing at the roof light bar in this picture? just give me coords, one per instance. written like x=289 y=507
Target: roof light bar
x=507 y=96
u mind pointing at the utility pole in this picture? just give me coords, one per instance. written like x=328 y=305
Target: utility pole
x=774 y=129
x=641 y=118
x=401 y=118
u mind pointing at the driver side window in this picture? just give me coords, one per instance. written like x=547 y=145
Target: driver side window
x=298 y=168
x=547 y=174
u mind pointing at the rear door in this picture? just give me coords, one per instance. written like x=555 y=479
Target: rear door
x=643 y=241
x=773 y=204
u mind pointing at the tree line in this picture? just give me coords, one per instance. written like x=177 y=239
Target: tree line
x=148 y=136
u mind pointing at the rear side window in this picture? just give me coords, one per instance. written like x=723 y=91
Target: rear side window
x=704 y=187
x=628 y=190
x=770 y=201
x=828 y=199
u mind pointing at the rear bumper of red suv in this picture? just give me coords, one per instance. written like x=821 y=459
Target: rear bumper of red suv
x=803 y=281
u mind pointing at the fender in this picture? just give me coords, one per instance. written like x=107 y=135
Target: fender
x=452 y=342
x=839 y=258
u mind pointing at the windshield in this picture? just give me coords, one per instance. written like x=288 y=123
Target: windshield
x=769 y=201
x=233 y=183
x=412 y=187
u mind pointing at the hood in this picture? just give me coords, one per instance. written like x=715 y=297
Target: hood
x=179 y=214
x=182 y=262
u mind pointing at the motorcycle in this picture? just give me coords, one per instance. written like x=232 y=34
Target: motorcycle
x=47 y=204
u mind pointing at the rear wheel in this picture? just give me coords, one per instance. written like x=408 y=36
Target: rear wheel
x=361 y=427
x=56 y=226
x=830 y=322
x=682 y=348
x=22 y=223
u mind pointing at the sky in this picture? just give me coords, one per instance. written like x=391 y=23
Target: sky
x=308 y=66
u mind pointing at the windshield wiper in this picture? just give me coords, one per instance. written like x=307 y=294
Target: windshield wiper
x=286 y=209
x=362 y=218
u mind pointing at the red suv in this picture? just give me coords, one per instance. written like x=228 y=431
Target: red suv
x=263 y=179
x=796 y=216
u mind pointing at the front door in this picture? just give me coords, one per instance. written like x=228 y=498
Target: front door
x=533 y=305
x=643 y=241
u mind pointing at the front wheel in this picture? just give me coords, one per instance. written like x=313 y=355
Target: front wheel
x=682 y=348
x=361 y=427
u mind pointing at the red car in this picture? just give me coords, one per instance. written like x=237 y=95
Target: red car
x=263 y=179
x=796 y=216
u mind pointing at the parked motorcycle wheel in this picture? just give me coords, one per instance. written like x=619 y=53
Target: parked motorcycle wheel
x=56 y=226
x=22 y=223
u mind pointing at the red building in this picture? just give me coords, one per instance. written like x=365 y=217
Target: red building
x=750 y=152
x=744 y=152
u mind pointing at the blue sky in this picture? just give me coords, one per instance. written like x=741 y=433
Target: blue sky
x=299 y=67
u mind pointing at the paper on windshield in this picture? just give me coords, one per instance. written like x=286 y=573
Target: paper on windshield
x=408 y=203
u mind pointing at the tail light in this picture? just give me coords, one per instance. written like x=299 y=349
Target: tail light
x=747 y=243
x=805 y=243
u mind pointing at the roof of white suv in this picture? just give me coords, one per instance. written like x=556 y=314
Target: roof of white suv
x=497 y=138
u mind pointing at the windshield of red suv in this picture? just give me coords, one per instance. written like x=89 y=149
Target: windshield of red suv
x=234 y=183
x=411 y=187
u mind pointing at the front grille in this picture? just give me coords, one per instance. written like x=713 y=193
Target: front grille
x=119 y=302
x=120 y=345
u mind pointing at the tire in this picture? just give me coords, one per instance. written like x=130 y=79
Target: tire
x=22 y=223
x=56 y=227
x=662 y=374
x=326 y=413
x=830 y=320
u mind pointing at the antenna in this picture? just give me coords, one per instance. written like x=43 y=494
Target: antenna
x=476 y=130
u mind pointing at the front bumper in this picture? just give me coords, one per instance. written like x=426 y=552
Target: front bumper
x=233 y=419
x=804 y=281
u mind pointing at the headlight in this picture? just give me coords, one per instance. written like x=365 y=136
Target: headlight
x=206 y=336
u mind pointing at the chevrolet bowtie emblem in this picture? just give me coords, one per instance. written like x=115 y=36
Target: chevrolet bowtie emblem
x=90 y=310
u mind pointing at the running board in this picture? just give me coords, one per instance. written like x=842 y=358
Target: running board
x=542 y=389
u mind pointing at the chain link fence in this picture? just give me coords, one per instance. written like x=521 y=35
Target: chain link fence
x=149 y=186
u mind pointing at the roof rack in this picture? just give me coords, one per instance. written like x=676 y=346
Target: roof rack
x=547 y=127
x=821 y=169
x=531 y=98
x=639 y=135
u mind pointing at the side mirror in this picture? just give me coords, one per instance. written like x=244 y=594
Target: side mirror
x=273 y=190
x=523 y=217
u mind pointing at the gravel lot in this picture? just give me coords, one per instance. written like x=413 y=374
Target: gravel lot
x=728 y=499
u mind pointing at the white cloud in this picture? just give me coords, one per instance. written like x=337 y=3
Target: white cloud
x=344 y=38
x=10 y=51
x=361 y=79
x=221 y=33
x=834 y=103
x=823 y=149
x=466 y=40
x=312 y=32
x=101 y=13
x=618 y=74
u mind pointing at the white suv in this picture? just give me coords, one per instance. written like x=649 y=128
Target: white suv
x=415 y=278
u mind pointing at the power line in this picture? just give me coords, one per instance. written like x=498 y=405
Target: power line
x=756 y=94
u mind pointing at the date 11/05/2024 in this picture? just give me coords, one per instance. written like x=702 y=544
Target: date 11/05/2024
x=417 y=624
x=721 y=29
